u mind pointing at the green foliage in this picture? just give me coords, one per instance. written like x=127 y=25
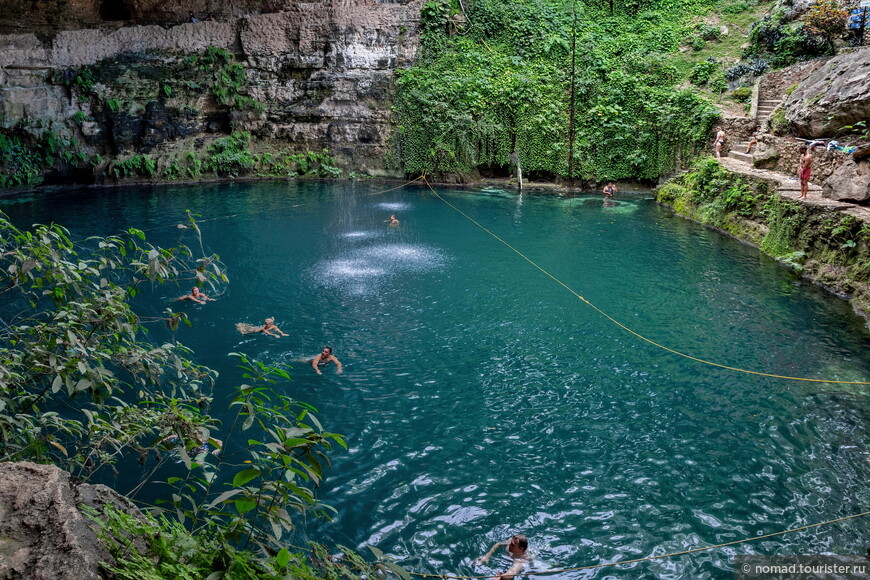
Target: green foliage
x=779 y=125
x=826 y=18
x=228 y=78
x=138 y=165
x=229 y=156
x=703 y=72
x=783 y=41
x=74 y=344
x=149 y=548
x=81 y=386
x=741 y=94
x=285 y=459
x=784 y=220
x=20 y=163
x=81 y=79
x=27 y=153
x=861 y=128
x=504 y=86
x=314 y=164
x=739 y=6
x=114 y=105
x=167 y=90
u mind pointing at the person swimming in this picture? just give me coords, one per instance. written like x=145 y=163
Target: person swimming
x=324 y=358
x=196 y=296
x=518 y=549
x=393 y=221
x=268 y=327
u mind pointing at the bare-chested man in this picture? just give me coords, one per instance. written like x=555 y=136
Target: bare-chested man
x=805 y=170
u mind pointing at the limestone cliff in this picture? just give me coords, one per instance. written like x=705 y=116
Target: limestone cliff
x=301 y=77
x=835 y=95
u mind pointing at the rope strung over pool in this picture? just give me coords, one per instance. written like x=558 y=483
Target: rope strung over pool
x=624 y=327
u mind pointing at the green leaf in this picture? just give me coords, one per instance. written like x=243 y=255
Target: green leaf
x=245 y=476
x=224 y=497
x=244 y=505
x=282 y=558
x=397 y=570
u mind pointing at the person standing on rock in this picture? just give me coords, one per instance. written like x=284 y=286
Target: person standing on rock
x=805 y=170
x=720 y=140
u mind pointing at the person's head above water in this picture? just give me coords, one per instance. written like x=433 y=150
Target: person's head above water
x=327 y=350
x=518 y=544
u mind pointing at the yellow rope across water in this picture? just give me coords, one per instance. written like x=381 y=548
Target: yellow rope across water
x=624 y=327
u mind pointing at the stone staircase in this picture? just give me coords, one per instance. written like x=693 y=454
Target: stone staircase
x=765 y=108
x=787 y=185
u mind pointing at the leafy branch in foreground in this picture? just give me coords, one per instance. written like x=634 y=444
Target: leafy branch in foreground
x=284 y=456
x=81 y=385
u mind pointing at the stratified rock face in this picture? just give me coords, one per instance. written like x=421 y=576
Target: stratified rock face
x=836 y=95
x=324 y=74
x=43 y=535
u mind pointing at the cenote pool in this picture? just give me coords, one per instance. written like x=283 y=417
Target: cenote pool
x=480 y=398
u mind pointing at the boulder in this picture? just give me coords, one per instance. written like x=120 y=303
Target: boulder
x=43 y=535
x=765 y=156
x=835 y=95
x=849 y=182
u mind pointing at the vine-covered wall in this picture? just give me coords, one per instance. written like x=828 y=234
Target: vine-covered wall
x=493 y=78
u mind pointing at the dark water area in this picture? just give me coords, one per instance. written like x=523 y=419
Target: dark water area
x=481 y=398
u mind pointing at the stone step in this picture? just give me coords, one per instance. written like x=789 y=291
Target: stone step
x=793 y=185
x=739 y=155
x=768 y=103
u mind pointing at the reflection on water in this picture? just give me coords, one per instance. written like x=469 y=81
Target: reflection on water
x=481 y=399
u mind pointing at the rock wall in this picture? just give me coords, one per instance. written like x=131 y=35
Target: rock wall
x=43 y=533
x=835 y=95
x=323 y=73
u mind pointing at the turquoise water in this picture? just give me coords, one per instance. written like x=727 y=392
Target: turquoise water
x=480 y=398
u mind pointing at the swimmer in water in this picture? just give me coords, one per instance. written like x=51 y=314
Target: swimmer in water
x=518 y=549
x=267 y=328
x=270 y=328
x=196 y=296
x=324 y=358
x=393 y=221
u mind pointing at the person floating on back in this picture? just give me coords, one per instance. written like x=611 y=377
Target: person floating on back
x=518 y=549
x=196 y=296
x=268 y=327
x=805 y=170
x=324 y=358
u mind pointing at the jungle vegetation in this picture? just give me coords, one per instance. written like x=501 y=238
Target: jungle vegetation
x=582 y=89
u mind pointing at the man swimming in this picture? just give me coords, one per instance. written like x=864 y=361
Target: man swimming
x=324 y=358
x=196 y=296
x=518 y=548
